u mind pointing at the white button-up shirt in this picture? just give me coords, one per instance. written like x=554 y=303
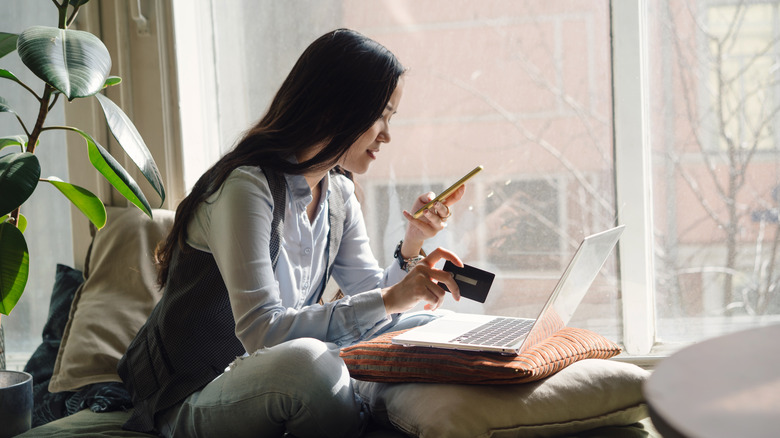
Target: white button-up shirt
x=272 y=307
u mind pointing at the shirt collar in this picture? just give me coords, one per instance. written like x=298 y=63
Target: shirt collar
x=300 y=191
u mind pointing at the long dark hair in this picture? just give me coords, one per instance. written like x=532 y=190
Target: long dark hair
x=335 y=92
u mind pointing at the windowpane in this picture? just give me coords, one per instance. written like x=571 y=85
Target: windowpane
x=715 y=120
x=525 y=214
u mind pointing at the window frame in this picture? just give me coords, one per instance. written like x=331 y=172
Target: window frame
x=634 y=197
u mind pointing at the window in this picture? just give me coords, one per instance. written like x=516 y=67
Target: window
x=527 y=89
x=660 y=115
x=715 y=161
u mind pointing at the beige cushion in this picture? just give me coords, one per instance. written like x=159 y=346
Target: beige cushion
x=591 y=393
x=115 y=300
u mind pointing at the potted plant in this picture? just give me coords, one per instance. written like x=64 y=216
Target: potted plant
x=72 y=64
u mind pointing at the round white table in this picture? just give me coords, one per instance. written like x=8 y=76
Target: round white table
x=727 y=386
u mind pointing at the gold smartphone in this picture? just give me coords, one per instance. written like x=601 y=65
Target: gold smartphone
x=445 y=194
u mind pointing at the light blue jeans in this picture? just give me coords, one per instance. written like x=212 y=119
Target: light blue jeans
x=300 y=387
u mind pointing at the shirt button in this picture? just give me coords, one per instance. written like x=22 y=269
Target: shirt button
x=307 y=251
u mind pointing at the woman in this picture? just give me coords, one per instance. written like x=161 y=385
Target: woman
x=252 y=248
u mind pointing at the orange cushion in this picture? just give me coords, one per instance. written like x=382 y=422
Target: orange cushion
x=378 y=360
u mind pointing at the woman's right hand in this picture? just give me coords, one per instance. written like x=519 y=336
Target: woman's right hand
x=421 y=284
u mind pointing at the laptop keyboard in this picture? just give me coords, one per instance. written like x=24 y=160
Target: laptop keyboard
x=499 y=332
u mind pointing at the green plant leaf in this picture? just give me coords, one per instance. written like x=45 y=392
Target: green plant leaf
x=115 y=173
x=83 y=199
x=8 y=75
x=78 y=2
x=112 y=80
x=74 y=62
x=128 y=137
x=19 y=173
x=14 y=266
x=22 y=225
x=15 y=140
x=5 y=107
x=7 y=43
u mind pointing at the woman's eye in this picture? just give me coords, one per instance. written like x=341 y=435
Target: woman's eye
x=385 y=117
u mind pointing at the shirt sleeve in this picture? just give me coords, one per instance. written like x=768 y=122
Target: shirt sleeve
x=234 y=225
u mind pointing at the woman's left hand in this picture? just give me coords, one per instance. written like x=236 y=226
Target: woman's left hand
x=433 y=220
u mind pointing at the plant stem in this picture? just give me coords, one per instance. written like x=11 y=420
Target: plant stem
x=72 y=16
x=14 y=217
x=32 y=139
x=43 y=111
x=24 y=127
x=62 y=21
x=54 y=101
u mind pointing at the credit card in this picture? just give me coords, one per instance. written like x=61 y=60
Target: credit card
x=474 y=283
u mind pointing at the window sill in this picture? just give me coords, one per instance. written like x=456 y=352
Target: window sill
x=17 y=361
x=649 y=362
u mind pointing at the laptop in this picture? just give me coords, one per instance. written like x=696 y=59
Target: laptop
x=510 y=335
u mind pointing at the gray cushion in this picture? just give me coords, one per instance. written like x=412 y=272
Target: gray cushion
x=588 y=394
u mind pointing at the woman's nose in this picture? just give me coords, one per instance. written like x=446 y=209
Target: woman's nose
x=384 y=135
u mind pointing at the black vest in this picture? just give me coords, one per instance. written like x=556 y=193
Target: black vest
x=189 y=338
